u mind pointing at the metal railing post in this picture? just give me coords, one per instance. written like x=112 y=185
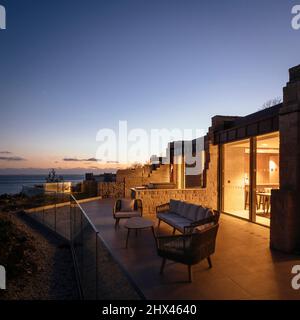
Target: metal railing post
x=82 y=253
x=56 y=198
x=96 y=255
x=71 y=224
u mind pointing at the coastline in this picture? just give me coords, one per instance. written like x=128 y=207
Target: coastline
x=12 y=184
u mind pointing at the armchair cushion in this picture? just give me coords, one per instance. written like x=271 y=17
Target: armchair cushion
x=127 y=205
x=127 y=214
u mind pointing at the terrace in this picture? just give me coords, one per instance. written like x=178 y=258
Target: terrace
x=243 y=266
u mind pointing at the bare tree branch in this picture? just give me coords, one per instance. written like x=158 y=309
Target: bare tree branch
x=271 y=103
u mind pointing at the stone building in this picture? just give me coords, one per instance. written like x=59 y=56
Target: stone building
x=251 y=170
x=144 y=177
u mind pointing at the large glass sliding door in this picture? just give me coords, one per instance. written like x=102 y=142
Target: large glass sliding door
x=250 y=170
x=267 y=175
x=236 y=178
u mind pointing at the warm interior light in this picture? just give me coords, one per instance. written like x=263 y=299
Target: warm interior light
x=272 y=166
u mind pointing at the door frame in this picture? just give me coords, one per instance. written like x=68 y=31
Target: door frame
x=252 y=180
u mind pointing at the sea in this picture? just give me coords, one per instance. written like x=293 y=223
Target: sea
x=12 y=184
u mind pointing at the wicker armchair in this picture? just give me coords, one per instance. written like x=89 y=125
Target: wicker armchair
x=119 y=213
x=189 y=248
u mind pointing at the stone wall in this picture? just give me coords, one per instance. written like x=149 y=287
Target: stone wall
x=90 y=188
x=139 y=177
x=285 y=217
x=205 y=196
x=111 y=189
x=132 y=182
x=123 y=174
x=161 y=174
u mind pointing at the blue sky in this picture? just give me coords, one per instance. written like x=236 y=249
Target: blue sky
x=69 y=68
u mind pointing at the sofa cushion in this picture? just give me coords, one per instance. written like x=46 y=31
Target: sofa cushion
x=168 y=217
x=185 y=215
x=184 y=209
x=200 y=214
x=127 y=205
x=192 y=212
x=174 y=220
x=181 y=225
x=164 y=215
x=127 y=214
x=180 y=207
x=174 y=205
x=209 y=213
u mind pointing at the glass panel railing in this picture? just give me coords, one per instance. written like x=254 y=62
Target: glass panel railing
x=52 y=209
x=99 y=273
x=113 y=282
x=89 y=263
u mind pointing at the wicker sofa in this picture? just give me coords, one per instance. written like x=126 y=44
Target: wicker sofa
x=199 y=226
x=183 y=216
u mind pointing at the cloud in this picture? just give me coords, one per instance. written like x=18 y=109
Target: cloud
x=81 y=160
x=12 y=159
x=5 y=152
x=92 y=160
x=70 y=159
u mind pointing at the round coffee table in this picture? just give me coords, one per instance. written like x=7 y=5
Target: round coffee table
x=138 y=223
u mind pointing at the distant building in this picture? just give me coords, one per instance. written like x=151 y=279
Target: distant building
x=105 y=177
x=92 y=182
x=54 y=187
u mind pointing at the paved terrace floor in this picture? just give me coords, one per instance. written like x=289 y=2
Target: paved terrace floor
x=243 y=266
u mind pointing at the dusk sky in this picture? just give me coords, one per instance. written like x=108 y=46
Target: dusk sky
x=69 y=68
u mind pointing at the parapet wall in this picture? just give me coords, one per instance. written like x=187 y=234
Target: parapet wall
x=152 y=198
x=111 y=189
